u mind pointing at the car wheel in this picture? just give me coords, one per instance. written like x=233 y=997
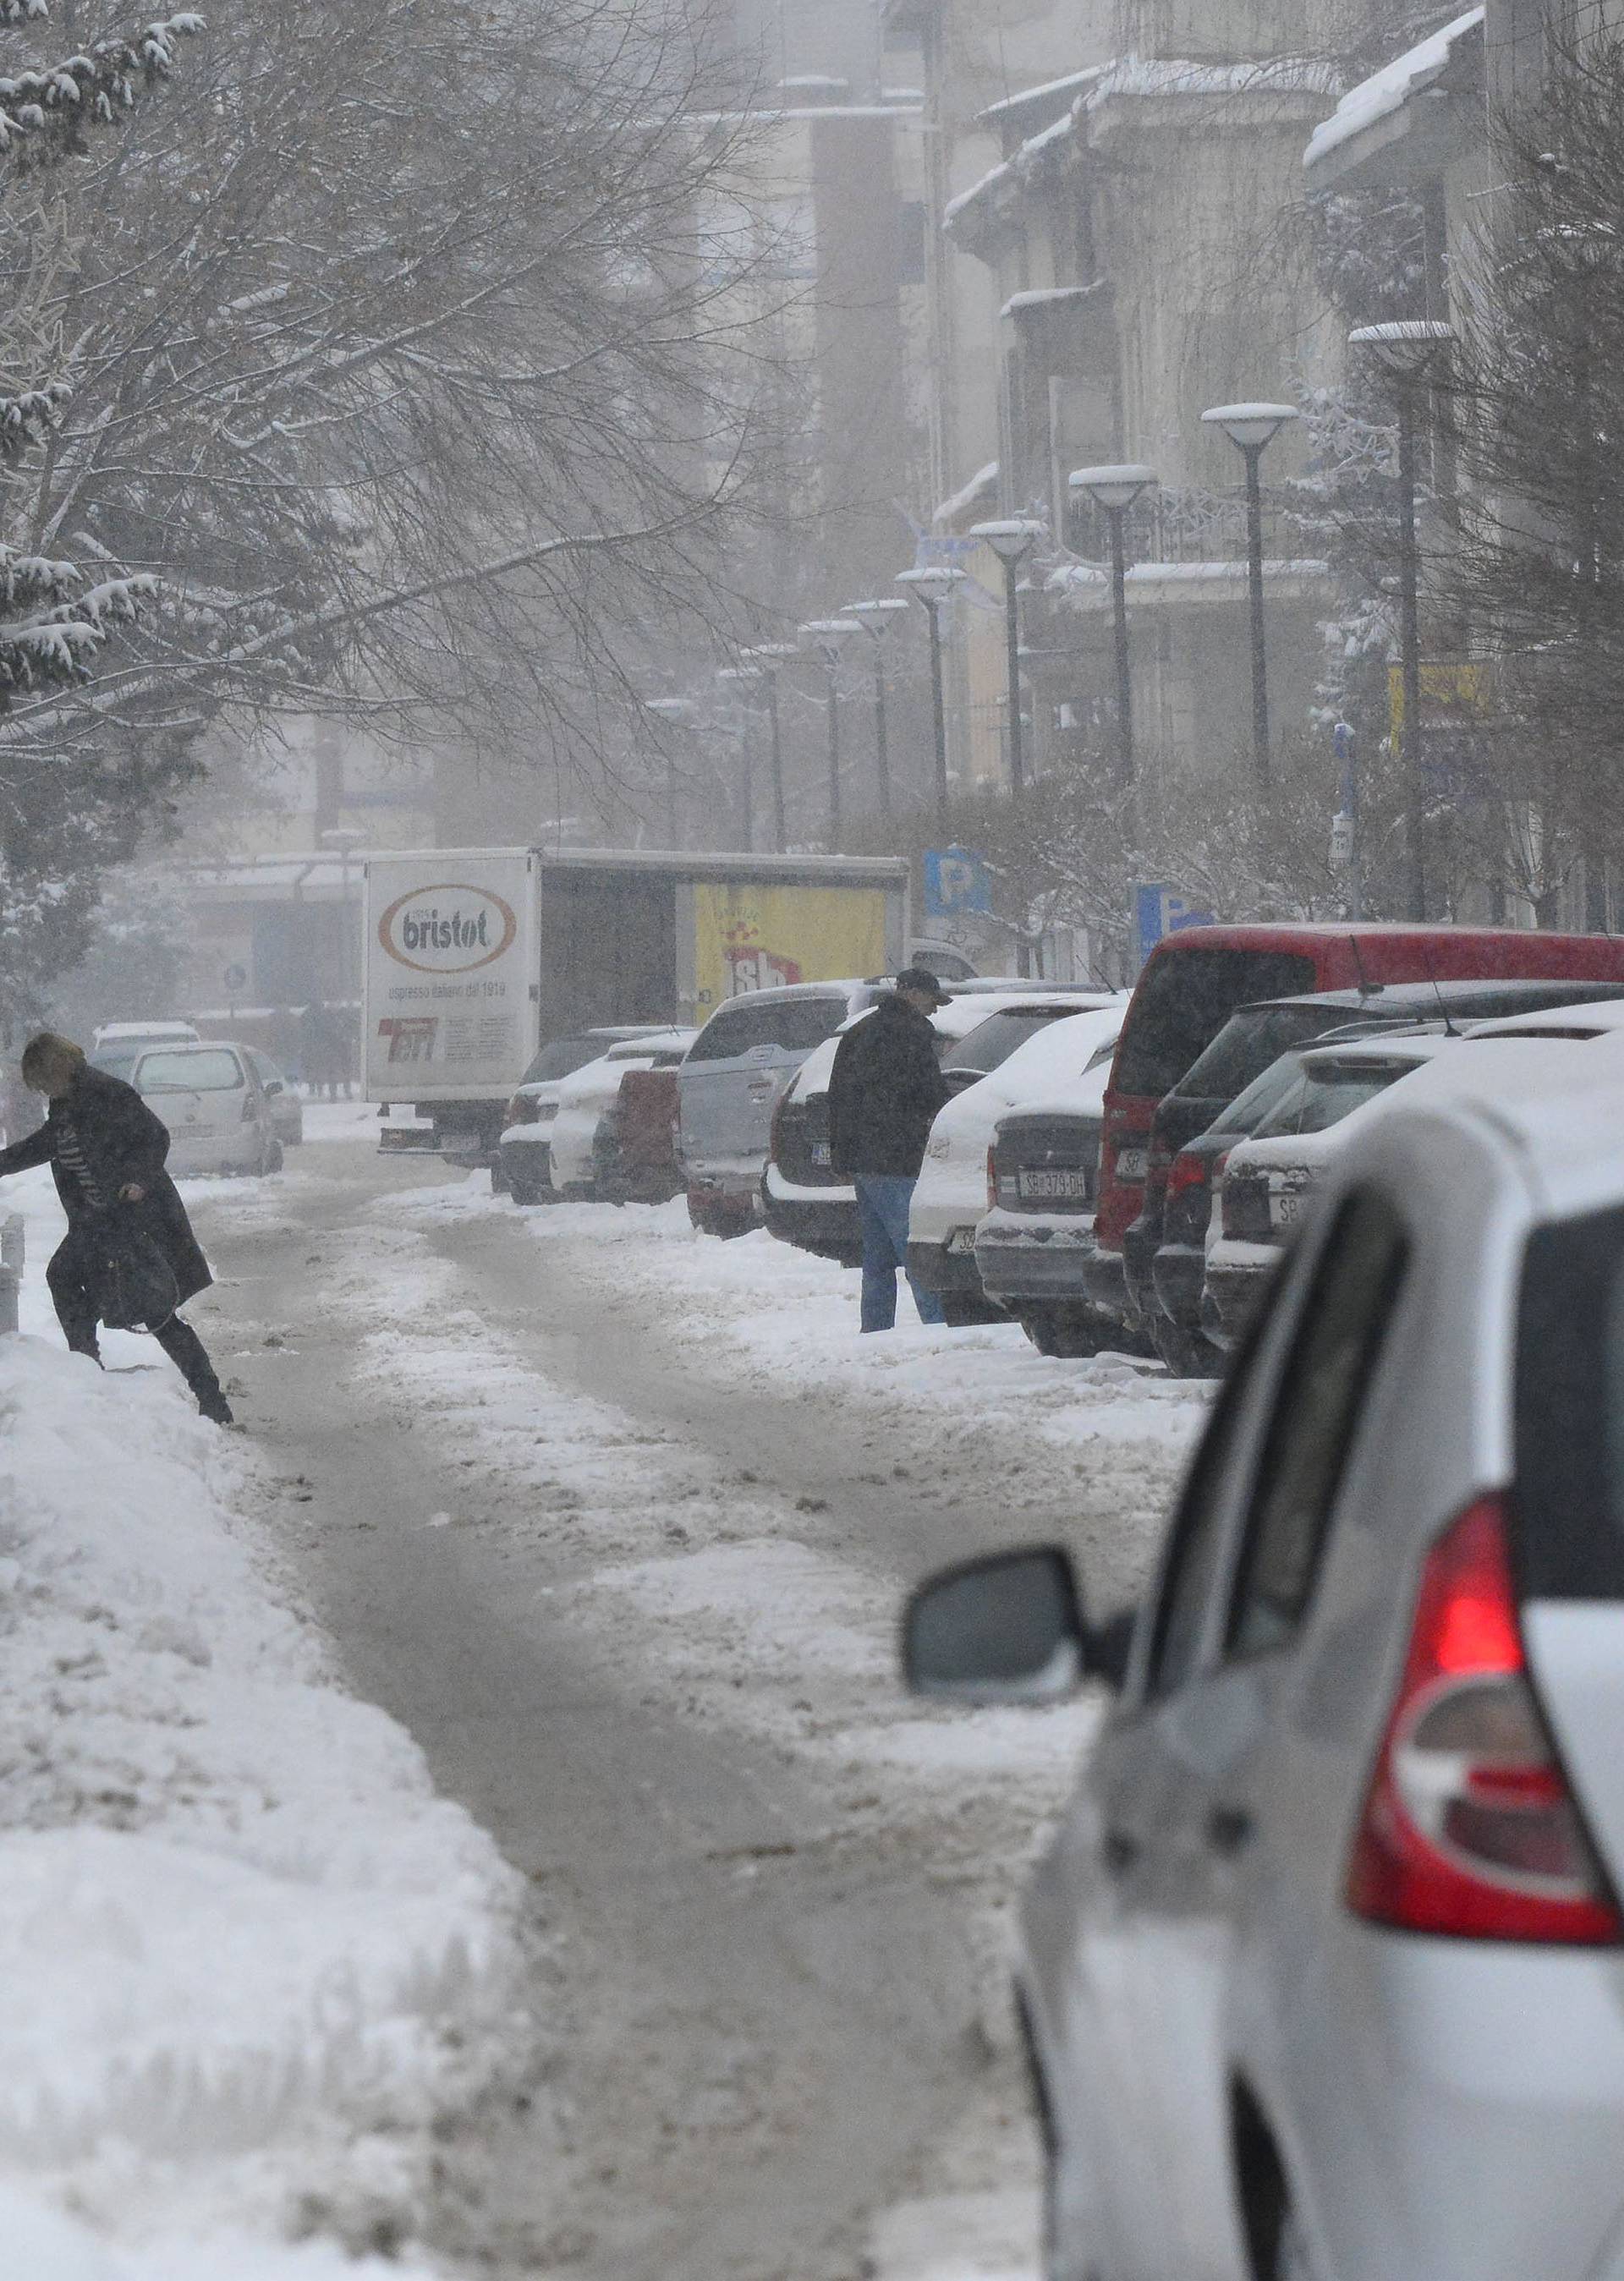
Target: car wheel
x=1186 y=1353
x=962 y=1309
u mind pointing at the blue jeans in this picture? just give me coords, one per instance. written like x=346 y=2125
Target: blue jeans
x=883 y=1198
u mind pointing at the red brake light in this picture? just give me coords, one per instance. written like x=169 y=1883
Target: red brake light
x=1470 y=1828
x=1187 y=1170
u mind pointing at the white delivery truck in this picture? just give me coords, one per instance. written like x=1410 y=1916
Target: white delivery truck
x=476 y=957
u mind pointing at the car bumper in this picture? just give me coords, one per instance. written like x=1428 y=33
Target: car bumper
x=240 y=1150
x=732 y=1184
x=1180 y=1273
x=939 y=1268
x=1237 y=1275
x=824 y=1224
x=1105 y=1280
x=1034 y=1255
x=1456 y=2109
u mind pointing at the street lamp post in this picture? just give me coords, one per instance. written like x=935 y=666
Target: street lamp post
x=1012 y=542
x=877 y=620
x=344 y=839
x=932 y=586
x=740 y=680
x=772 y=657
x=1115 y=489
x=827 y=636
x=678 y=713
x=1251 y=429
x=1408 y=353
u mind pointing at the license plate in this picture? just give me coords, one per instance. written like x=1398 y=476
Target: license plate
x=820 y=1152
x=1069 y=1185
x=963 y=1239
x=1285 y=1208
x=1132 y=1164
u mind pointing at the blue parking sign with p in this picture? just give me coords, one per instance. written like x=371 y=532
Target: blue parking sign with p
x=956 y=882
x=1157 y=912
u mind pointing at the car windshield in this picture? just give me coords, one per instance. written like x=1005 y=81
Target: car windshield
x=794 y=1025
x=1183 y=1000
x=561 y=1057
x=1250 y=1041
x=993 y=1040
x=1327 y=1092
x=189 y=1070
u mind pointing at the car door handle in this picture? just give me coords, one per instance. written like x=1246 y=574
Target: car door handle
x=1230 y=1830
x=1120 y=1850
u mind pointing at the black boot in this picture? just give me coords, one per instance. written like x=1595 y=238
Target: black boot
x=213 y=1404
x=185 y=1350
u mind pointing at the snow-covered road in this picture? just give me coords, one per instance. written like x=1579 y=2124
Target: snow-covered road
x=616 y=1521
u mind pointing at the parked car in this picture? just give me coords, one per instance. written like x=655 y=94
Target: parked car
x=522 y=1168
x=951 y=1197
x=1194 y=981
x=577 y=1155
x=116 y=1046
x=287 y=1110
x=1320 y=1971
x=1269 y=1181
x=1164 y=1263
x=217 y=1112
x=732 y=1082
x=805 y=1201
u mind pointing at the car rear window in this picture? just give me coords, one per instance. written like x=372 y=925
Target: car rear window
x=993 y=1040
x=1569 y=1498
x=116 y=1064
x=561 y=1057
x=189 y=1072
x=1248 y=1042
x=1183 y=1000
x=794 y=1025
x=1326 y=1095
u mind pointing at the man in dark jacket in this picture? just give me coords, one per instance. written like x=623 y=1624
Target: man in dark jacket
x=106 y=1151
x=884 y=1090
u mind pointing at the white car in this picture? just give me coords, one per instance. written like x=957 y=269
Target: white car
x=587 y=1096
x=1322 y=1973
x=219 y=1114
x=524 y=1159
x=951 y=1194
x=1269 y=1181
x=806 y=1201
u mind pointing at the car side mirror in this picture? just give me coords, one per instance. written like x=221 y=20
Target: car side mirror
x=273 y=1084
x=1010 y=1628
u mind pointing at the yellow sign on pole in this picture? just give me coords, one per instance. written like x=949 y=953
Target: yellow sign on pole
x=1454 y=689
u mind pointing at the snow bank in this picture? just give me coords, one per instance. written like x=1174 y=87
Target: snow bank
x=248 y=1955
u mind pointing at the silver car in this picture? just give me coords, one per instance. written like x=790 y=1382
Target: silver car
x=736 y=1070
x=1324 y=1972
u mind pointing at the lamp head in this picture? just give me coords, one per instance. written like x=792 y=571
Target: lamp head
x=1116 y=488
x=1250 y=426
x=827 y=634
x=877 y=618
x=736 y=674
x=1013 y=540
x=1407 y=349
x=772 y=654
x=931 y=582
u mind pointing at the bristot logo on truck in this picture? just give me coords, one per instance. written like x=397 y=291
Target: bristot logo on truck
x=447 y=930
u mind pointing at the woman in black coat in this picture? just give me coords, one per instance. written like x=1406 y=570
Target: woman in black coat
x=106 y=1151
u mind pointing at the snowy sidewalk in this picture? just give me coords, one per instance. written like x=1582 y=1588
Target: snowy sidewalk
x=249 y=1955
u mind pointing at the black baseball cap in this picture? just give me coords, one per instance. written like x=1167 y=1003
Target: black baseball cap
x=921 y=979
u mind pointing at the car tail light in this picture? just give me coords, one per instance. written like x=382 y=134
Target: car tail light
x=992 y=1179
x=1187 y=1170
x=523 y=1110
x=1470 y=1826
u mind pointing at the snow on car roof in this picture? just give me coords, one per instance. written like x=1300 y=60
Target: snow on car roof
x=1595 y=1019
